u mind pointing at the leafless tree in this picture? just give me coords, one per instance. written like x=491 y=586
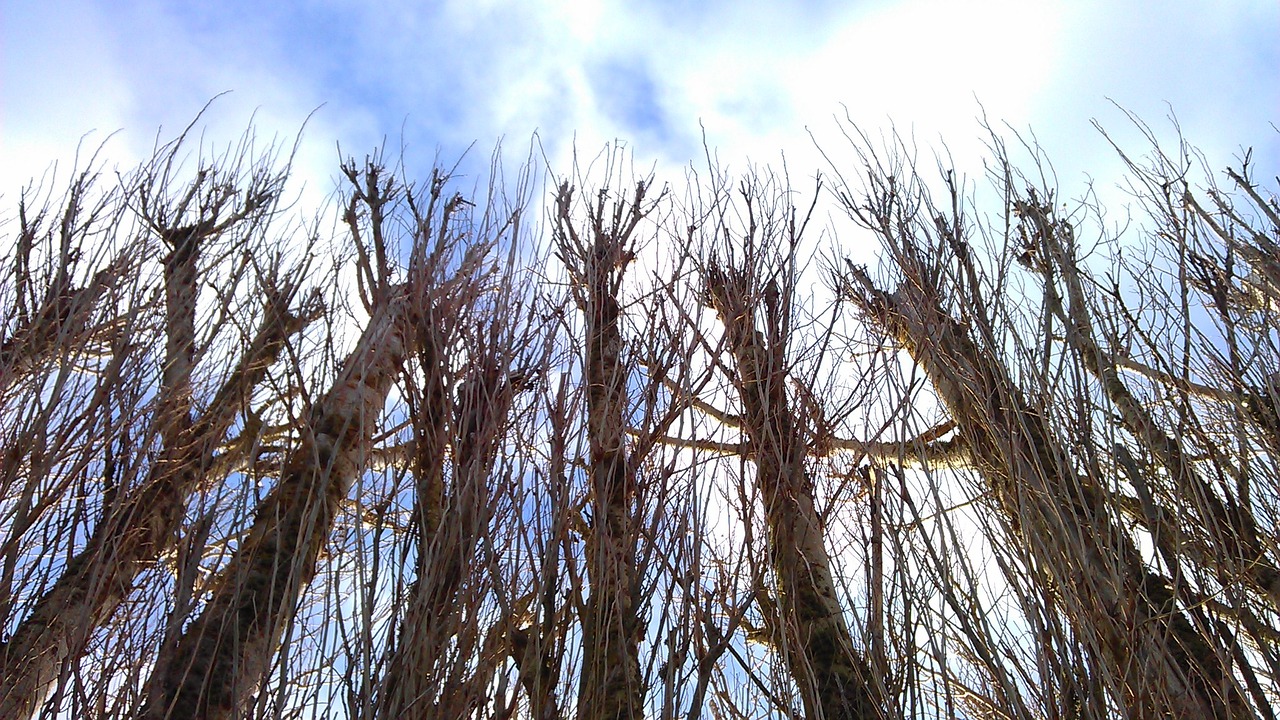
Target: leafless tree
x=652 y=457
x=754 y=292
x=636 y=517
x=219 y=212
x=1053 y=430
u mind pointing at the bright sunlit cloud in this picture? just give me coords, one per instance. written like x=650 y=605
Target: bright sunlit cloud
x=758 y=78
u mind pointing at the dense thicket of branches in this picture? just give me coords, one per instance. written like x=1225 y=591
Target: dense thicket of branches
x=656 y=451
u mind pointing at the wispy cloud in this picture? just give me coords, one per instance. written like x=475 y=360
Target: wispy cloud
x=757 y=76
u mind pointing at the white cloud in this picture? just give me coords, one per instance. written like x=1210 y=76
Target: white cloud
x=756 y=75
x=61 y=80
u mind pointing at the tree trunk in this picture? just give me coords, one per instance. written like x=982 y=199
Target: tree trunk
x=1225 y=525
x=137 y=530
x=226 y=651
x=450 y=526
x=813 y=635
x=609 y=687
x=1161 y=666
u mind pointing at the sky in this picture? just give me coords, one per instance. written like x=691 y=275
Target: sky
x=758 y=81
x=754 y=81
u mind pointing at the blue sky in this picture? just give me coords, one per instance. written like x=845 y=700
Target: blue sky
x=759 y=77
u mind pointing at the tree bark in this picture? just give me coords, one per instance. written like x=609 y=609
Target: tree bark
x=137 y=530
x=454 y=512
x=609 y=686
x=813 y=635
x=226 y=651
x=1162 y=666
x=1230 y=525
x=63 y=322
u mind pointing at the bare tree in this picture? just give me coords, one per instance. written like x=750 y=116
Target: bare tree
x=1147 y=640
x=225 y=652
x=475 y=350
x=753 y=297
x=226 y=201
x=650 y=466
x=636 y=504
x=610 y=685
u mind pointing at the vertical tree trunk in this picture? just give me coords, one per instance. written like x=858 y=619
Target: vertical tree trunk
x=408 y=689
x=609 y=687
x=451 y=525
x=225 y=652
x=834 y=678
